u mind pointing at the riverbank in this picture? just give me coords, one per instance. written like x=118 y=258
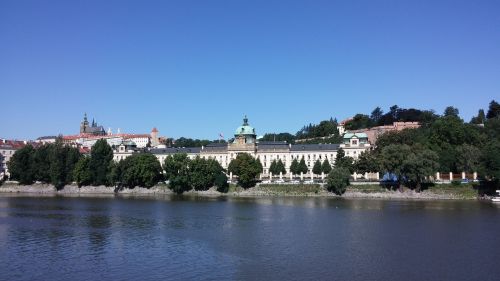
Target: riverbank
x=439 y=192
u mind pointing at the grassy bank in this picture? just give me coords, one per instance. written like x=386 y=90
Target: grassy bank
x=290 y=189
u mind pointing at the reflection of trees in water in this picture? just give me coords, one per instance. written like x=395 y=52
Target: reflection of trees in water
x=98 y=226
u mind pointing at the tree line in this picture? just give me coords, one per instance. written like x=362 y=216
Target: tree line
x=448 y=144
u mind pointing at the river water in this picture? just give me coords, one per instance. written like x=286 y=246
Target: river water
x=193 y=238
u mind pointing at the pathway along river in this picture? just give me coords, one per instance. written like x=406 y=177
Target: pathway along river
x=193 y=238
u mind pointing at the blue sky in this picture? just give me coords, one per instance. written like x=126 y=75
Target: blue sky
x=194 y=68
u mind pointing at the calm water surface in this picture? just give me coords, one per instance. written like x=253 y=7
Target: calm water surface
x=179 y=238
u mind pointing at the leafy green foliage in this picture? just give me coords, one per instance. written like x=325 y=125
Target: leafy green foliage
x=338 y=180
x=294 y=166
x=302 y=167
x=367 y=162
x=494 y=110
x=176 y=169
x=344 y=161
x=277 y=167
x=49 y=163
x=101 y=156
x=142 y=170
x=289 y=138
x=203 y=173
x=323 y=129
x=81 y=173
x=326 y=168
x=246 y=168
x=221 y=183
x=20 y=166
x=317 y=168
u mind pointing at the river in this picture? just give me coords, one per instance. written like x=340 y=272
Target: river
x=198 y=238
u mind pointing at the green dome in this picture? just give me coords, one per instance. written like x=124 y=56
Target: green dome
x=245 y=129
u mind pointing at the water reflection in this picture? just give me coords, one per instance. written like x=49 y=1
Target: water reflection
x=220 y=238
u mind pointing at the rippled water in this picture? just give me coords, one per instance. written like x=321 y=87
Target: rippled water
x=179 y=238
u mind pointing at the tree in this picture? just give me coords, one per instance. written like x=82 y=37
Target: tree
x=203 y=172
x=419 y=164
x=480 y=118
x=280 y=167
x=57 y=170
x=294 y=167
x=81 y=173
x=41 y=163
x=221 y=183
x=376 y=115
x=468 y=158
x=20 y=166
x=302 y=167
x=317 y=168
x=494 y=110
x=246 y=168
x=143 y=170
x=326 y=168
x=177 y=172
x=490 y=161
x=338 y=180
x=392 y=158
x=273 y=169
x=367 y=162
x=101 y=156
x=451 y=111
x=359 y=121
x=344 y=161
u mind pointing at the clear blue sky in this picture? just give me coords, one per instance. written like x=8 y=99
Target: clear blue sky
x=194 y=68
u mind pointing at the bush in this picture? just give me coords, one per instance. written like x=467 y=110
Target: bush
x=338 y=180
x=221 y=183
x=456 y=183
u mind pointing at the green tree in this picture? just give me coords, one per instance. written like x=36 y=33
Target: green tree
x=177 y=172
x=338 y=180
x=221 y=183
x=302 y=168
x=419 y=164
x=273 y=167
x=480 y=118
x=326 y=168
x=344 y=161
x=494 y=110
x=20 y=165
x=392 y=159
x=57 y=169
x=468 y=158
x=317 y=168
x=81 y=173
x=101 y=156
x=246 y=168
x=203 y=173
x=451 y=111
x=367 y=162
x=143 y=170
x=490 y=161
x=280 y=167
x=294 y=167
x=376 y=115
x=41 y=163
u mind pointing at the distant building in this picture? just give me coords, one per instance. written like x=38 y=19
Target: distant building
x=374 y=133
x=46 y=139
x=91 y=129
x=245 y=141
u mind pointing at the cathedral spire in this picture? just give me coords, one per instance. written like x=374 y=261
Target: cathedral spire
x=85 y=117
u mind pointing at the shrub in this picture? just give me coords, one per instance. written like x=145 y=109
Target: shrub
x=338 y=180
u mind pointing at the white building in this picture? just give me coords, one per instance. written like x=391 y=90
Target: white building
x=246 y=142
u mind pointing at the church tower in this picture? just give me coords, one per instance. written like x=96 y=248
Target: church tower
x=84 y=125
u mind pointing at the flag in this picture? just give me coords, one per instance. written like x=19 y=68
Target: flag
x=221 y=135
